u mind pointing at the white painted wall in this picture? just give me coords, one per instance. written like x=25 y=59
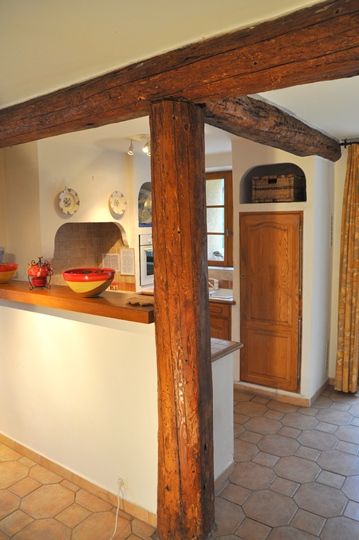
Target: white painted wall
x=82 y=391
x=316 y=251
x=3 y=213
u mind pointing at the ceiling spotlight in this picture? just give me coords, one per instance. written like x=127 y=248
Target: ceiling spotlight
x=130 y=149
x=147 y=149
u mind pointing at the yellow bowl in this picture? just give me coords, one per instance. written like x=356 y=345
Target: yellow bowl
x=7 y=271
x=89 y=282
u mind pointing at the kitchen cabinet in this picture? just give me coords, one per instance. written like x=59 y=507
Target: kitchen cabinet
x=220 y=314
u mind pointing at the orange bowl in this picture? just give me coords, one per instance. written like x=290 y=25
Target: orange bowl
x=89 y=282
x=7 y=271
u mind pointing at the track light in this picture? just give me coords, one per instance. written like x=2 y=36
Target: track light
x=130 y=149
x=147 y=148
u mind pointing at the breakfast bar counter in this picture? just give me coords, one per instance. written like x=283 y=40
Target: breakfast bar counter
x=110 y=304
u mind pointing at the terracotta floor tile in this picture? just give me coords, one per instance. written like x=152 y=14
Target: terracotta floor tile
x=250 y=436
x=73 y=515
x=250 y=408
x=270 y=508
x=320 y=499
x=8 y=454
x=348 y=434
x=330 y=479
x=235 y=494
x=285 y=487
x=70 y=485
x=322 y=402
x=308 y=522
x=351 y=488
x=308 y=453
x=44 y=529
x=47 y=501
x=27 y=462
x=252 y=476
x=290 y=432
x=252 y=530
x=289 y=533
x=244 y=451
x=317 y=439
x=275 y=415
x=101 y=525
x=333 y=416
x=340 y=528
x=278 y=445
x=348 y=448
x=263 y=425
x=8 y=503
x=24 y=487
x=265 y=459
x=141 y=529
x=327 y=428
x=299 y=421
x=11 y=472
x=43 y=475
x=281 y=406
x=91 y=502
x=228 y=517
x=297 y=469
x=338 y=462
x=352 y=510
x=14 y=522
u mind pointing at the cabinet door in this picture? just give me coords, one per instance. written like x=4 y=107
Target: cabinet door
x=220 y=321
x=270 y=293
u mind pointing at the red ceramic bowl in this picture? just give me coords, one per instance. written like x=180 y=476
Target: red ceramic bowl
x=7 y=271
x=89 y=282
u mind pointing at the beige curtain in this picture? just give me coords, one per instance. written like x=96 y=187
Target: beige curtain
x=346 y=375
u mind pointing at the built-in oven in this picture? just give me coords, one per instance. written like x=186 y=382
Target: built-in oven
x=146 y=260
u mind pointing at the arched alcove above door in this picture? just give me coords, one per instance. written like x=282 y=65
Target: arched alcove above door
x=279 y=182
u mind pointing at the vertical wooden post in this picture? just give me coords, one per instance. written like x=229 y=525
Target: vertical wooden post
x=185 y=445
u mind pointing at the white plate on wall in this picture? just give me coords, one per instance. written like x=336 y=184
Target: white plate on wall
x=69 y=201
x=118 y=203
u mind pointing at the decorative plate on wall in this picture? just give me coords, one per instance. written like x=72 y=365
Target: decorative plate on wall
x=69 y=201
x=117 y=203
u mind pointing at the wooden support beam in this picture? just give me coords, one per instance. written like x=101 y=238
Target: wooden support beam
x=263 y=123
x=317 y=43
x=185 y=507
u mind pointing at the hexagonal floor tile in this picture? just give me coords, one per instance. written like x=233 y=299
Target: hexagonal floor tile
x=320 y=499
x=252 y=476
x=250 y=408
x=244 y=451
x=11 y=472
x=297 y=469
x=299 y=421
x=332 y=416
x=348 y=434
x=289 y=533
x=351 y=488
x=340 y=527
x=278 y=445
x=263 y=425
x=228 y=516
x=101 y=525
x=44 y=529
x=317 y=439
x=339 y=463
x=270 y=508
x=47 y=501
x=8 y=503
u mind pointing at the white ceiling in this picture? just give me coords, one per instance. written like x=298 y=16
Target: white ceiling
x=50 y=44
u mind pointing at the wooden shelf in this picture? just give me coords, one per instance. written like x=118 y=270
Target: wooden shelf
x=109 y=304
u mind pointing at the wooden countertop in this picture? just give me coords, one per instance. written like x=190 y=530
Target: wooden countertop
x=109 y=304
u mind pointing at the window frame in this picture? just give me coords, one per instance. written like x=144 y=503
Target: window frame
x=228 y=216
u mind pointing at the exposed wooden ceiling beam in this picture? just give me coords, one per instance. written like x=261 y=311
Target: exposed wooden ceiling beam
x=263 y=123
x=317 y=43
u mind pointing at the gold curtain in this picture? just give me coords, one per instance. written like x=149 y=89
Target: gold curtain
x=346 y=375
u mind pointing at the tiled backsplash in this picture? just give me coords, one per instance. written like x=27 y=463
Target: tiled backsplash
x=224 y=276
x=83 y=244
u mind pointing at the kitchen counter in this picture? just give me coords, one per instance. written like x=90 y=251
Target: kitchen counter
x=109 y=304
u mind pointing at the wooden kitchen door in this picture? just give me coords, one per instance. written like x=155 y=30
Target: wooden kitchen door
x=271 y=298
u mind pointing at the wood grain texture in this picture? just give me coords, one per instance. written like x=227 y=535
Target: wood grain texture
x=185 y=474
x=109 y=304
x=263 y=123
x=317 y=43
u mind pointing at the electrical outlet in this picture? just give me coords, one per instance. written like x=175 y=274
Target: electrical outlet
x=122 y=482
